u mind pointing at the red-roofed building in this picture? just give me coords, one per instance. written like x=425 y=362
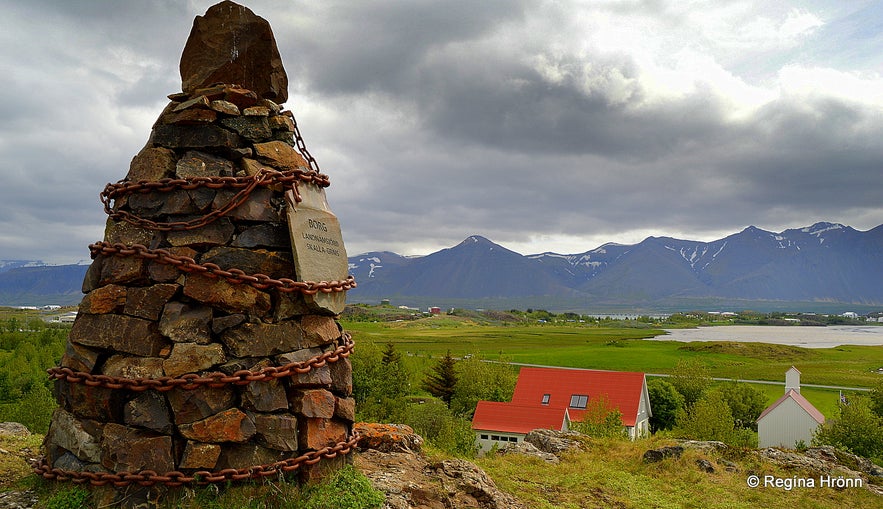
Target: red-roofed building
x=542 y=394
x=791 y=419
x=497 y=423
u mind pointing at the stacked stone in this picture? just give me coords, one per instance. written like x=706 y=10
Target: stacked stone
x=144 y=319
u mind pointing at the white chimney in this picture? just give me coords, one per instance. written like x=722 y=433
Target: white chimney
x=792 y=380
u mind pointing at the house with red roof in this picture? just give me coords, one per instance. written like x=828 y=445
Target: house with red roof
x=791 y=419
x=550 y=398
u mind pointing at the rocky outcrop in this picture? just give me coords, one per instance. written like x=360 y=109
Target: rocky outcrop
x=528 y=449
x=389 y=456
x=556 y=442
x=827 y=460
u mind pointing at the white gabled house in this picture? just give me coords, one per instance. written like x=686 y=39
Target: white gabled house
x=791 y=419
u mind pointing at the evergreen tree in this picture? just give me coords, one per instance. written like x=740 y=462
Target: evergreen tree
x=441 y=380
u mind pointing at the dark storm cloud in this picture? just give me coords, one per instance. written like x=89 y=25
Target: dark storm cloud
x=437 y=120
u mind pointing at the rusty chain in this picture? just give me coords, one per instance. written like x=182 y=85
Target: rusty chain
x=265 y=177
x=234 y=276
x=177 y=478
x=301 y=146
x=192 y=381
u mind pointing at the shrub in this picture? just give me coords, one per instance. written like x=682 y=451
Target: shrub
x=345 y=489
x=856 y=429
x=665 y=401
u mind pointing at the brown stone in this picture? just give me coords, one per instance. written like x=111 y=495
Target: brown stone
x=342 y=377
x=277 y=431
x=148 y=302
x=76 y=435
x=251 y=261
x=263 y=340
x=262 y=396
x=119 y=270
x=98 y=403
x=237 y=455
x=125 y=366
x=261 y=205
x=280 y=155
x=319 y=330
x=271 y=106
x=222 y=323
x=149 y=410
x=312 y=403
x=107 y=299
x=200 y=164
x=231 y=425
x=256 y=111
x=197 y=136
x=252 y=128
x=226 y=296
x=123 y=232
x=79 y=358
x=316 y=377
x=230 y=44
x=282 y=123
x=164 y=273
x=316 y=433
x=225 y=107
x=241 y=97
x=125 y=449
x=148 y=205
x=199 y=101
x=192 y=358
x=183 y=323
x=214 y=234
x=290 y=305
x=93 y=274
x=190 y=405
x=200 y=456
x=152 y=163
x=249 y=167
x=265 y=236
x=190 y=117
x=345 y=409
x=387 y=437
x=118 y=333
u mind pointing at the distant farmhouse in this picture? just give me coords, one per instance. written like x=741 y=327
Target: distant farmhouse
x=551 y=398
x=791 y=420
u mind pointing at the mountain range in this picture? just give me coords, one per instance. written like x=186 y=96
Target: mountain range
x=822 y=267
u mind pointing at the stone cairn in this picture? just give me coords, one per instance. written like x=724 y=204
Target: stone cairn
x=199 y=354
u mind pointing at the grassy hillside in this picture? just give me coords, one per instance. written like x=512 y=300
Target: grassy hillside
x=612 y=474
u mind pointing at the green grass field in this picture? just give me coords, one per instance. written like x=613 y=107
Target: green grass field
x=622 y=349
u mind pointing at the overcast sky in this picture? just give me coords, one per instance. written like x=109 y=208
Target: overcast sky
x=542 y=125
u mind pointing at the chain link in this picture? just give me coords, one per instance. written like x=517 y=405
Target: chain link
x=233 y=276
x=203 y=477
x=265 y=177
x=215 y=380
x=302 y=147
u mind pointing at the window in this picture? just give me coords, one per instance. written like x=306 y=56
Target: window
x=546 y=398
x=513 y=439
x=484 y=437
x=495 y=437
x=579 y=401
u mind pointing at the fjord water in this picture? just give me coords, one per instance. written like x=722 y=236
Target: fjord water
x=806 y=337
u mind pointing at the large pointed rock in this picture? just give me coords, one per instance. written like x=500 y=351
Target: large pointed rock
x=230 y=44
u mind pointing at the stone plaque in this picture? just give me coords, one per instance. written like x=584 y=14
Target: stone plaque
x=317 y=245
